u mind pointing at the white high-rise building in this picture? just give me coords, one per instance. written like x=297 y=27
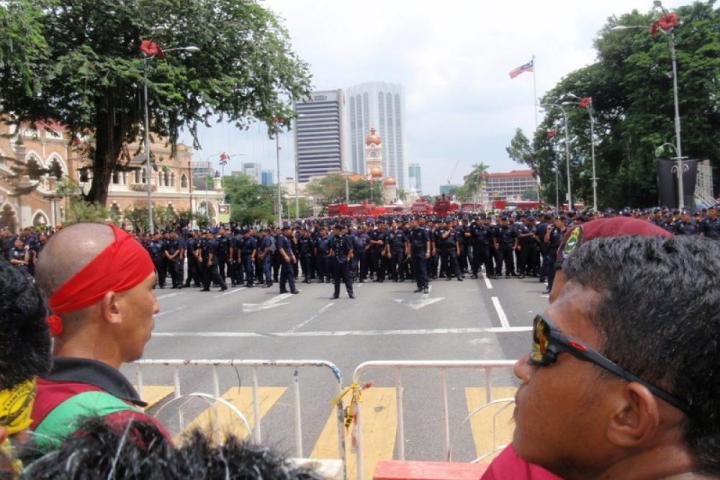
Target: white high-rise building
x=319 y=134
x=381 y=106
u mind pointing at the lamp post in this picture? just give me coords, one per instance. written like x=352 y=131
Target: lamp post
x=148 y=167
x=567 y=149
x=670 y=32
x=592 y=145
x=279 y=194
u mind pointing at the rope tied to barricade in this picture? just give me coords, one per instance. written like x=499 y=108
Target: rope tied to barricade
x=356 y=397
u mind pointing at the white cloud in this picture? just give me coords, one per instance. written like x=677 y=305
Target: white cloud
x=453 y=58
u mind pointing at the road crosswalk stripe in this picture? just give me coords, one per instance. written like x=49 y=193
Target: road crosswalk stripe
x=497 y=418
x=154 y=394
x=220 y=421
x=379 y=428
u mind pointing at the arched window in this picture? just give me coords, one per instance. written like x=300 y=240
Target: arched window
x=115 y=177
x=166 y=179
x=55 y=169
x=144 y=176
x=183 y=181
x=172 y=179
x=34 y=169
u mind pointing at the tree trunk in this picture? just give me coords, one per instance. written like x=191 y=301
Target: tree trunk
x=109 y=136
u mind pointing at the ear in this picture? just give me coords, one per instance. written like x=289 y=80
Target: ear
x=635 y=416
x=110 y=306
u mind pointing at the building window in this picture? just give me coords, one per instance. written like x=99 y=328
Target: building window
x=183 y=181
x=115 y=177
x=172 y=179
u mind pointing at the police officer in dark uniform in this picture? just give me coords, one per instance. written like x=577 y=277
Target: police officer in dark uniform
x=322 y=253
x=223 y=252
x=377 y=247
x=155 y=249
x=341 y=253
x=710 y=226
x=191 y=249
x=248 y=253
x=480 y=235
x=235 y=267
x=507 y=239
x=19 y=255
x=686 y=225
x=305 y=251
x=396 y=245
x=172 y=254
x=553 y=238
x=266 y=253
x=526 y=248
x=287 y=259
x=360 y=258
x=447 y=239
x=420 y=253
x=210 y=263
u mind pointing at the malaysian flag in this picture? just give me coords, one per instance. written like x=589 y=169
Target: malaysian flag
x=224 y=157
x=528 y=67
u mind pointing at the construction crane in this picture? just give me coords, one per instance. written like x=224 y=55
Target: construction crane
x=449 y=180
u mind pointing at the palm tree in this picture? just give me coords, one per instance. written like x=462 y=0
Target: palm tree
x=475 y=180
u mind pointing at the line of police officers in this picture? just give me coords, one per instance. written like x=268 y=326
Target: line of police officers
x=398 y=249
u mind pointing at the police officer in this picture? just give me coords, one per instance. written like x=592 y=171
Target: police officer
x=420 y=253
x=192 y=260
x=446 y=238
x=377 y=247
x=710 y=226
x=396 y=243
x=305 y=251
x=341 y=253
x=322 y=253
x=267 y=253
x=361 y=245
x=172 y=254
x=686 y=225
x=508 y=243
x=155 y=249
x=235 y=268
x=209 y=258
x=223 y=252
x=248 y=253
x=480 y=235
x=19 y=255
x=287 y=260
x=553 y=238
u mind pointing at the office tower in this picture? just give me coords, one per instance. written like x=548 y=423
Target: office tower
x=414 y=177
x=319 y=134
x=381 y=106
x=267 y=177
x=252 y=170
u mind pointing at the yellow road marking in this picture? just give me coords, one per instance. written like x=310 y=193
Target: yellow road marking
x=154 y=394
x=497 y=418
x=379 y=428
x=220 y=421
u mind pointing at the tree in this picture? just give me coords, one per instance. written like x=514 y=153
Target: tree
x=520 y=149
x=331 y=189
x=475 y=180
x=631 y=88
x=84 y=69
x=250 y=202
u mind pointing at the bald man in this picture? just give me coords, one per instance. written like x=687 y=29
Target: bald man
x=99 y=284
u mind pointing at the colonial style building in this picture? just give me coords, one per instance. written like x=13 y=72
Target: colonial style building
x=34 y=160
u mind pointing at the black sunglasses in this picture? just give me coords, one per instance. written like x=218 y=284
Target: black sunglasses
x=549 y=342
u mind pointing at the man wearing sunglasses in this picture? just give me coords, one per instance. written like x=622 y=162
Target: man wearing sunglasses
x=620 y=380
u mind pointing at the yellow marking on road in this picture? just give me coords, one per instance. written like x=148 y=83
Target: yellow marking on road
x=219 y=420
x=154 y=394
x=379 y=428
x=493 y=418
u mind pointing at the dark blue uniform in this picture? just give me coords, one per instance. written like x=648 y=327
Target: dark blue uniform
x=419 y=239
x=305 y=252
x=249 y=247
x=267 y=250
x=287 y=275
x=396 y=241
x=341 y=253
x=480 y=237
x=322 y=248
x=210 y=264
x=377 y=263
x=155 y=249
x=710 y=227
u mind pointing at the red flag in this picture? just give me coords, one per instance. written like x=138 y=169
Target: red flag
x=666 y=23
x=551 y=133
x=585 y=102
x=151 y=49
x=528 y=67
x=224 y=157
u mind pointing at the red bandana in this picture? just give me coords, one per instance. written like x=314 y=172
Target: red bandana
x=121 y=266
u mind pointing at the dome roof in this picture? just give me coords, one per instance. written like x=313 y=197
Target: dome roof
x=375 y=172
x=373 y=138
x=390 y=182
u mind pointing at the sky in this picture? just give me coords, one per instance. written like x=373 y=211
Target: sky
x=453 y=58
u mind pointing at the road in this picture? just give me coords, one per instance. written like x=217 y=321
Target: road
x=473 y=320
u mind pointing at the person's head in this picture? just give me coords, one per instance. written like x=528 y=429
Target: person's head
x=138 y=449
x=713 y=212
x=24 y=349
x=99 y=284
x=18 y=243
x=634 y=300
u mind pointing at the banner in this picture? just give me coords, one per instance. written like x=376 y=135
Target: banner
x=667 y=182
x=224 y=213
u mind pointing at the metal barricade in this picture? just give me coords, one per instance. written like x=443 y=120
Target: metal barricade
x=442 y=366
x=254 y=365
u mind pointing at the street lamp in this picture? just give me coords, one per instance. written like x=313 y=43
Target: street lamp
x=567 y=148
x=592 y=144
x=670 y=32
x=148 y=168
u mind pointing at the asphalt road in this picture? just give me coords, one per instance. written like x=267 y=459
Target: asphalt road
x=470 y=320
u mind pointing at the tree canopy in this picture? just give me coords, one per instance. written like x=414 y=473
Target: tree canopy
x=79 y=62
x=632 y=101
x=331 y=189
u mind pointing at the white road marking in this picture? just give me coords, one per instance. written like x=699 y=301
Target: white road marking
x=501 y=313
x=320 y=312
x=168 y=312
x=421 y=302
x=347 y=333
x=487 y=282
x=167 y=295
x=274 y=302
x=230 y=292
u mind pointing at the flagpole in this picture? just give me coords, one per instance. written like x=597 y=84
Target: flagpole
x=535 y=97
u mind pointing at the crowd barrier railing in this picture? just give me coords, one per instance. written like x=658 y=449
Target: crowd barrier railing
x=442 y=366
x=254 y=366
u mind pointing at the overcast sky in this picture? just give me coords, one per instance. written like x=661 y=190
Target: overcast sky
x=453 y=58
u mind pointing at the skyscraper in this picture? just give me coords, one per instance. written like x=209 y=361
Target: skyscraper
x=319 y=134
x=267 y=177
x=414 y=177
x=378 y=105
x=252 y=170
